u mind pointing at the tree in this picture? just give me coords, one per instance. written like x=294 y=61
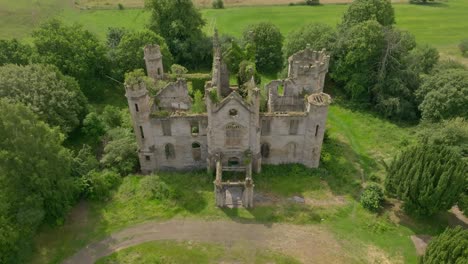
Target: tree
x=428 y=178
x=318 y=36
x=268 y=43
x=180 y=24
x=449 y=247
x=233 y=56
x=54 y=97
x=178 y=70
x=451 y=133
x=98 y=184
x=93 y=126
x=14 y=52
x=111 y=117
x=129 y=53
x=83 y=162
x=120 y=153
x=74 y=50
x=423 y=58
x=114 y=36
x=247 y=70
x=35 y=182
x=444 y=95
x=360 y=11
x=218 y=4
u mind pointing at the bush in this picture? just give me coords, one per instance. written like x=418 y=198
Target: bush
x=198 y=105
x=463 y=46
x=120 y=6
x=312 y=2
x=98 y=185
x=178 y=70
x=151 y=187
x=218 y=4
x=372 y=197
x=120 y=153
x=198 y=81
x=449 y=247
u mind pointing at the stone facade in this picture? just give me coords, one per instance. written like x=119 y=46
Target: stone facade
x=233 y=135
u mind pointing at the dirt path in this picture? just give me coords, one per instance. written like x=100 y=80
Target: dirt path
x=309 y=244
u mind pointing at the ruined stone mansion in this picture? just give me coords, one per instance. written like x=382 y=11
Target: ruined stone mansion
x=233 y=135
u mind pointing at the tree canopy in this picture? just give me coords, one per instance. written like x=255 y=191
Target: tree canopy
x=14 y=52
x=54 y=97
x=318 y=36
x=267 y=41
x=180 y=24
x=74 y=50
x=364 y=10
x=449 y=247
x=428 y=178
x=444 y=95
x=35 y=181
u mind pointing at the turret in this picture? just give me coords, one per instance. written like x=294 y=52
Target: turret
x=220 y=74
x=154 y=63
x=308 y=69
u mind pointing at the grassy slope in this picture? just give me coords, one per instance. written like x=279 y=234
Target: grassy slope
x=173 y=252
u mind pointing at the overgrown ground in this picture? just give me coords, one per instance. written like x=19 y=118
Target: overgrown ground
x=441 y=24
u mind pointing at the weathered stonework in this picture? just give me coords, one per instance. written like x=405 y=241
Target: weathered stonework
x=233 y=135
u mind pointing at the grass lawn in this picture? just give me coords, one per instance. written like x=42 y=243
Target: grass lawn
x=173 y=252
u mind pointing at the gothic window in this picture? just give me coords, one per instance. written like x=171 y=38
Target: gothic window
x=266 y=127
x=233 y=135
x=293 y=127
x=233 y=112
x=166 y=127
x=196 y=151
x=169 y=151
x=141 y=132
x=265 y=150
x=194 y=128
x=136 y=108
x=316 y=130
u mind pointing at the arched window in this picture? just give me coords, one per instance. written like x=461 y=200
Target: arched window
x=196 y=151
x=233 y=134
x=169 y=151
x=265 y=150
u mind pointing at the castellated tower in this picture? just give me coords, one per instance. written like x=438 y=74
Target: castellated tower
x=154 y=63
x=139 y=104
x=308 y=69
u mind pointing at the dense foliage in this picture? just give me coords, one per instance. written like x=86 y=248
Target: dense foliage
x=364 y=10
x=35 y=181
x=120 y=153
x=372 y=197
x=55 y=98
x=267 y=41
x=463 y=46
x=318 y=36
x=129 y=52
x=74 y=50
x=180 y=24
x=14 y=52
x=444 y=95
x=427 y=178
x=449 y=247
x=99 y=184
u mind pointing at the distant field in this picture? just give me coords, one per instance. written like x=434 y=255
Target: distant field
x=442 y=24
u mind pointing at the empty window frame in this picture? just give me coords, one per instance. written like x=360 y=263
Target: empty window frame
x=142 y=134
x=233 y=135
x=194 y=128
x=266 y=127
x=196 y=151
x=265 y=150
x=317 y=130
x=169 y=150
x=147 y=157
x=137 y=108
x=293 y=127
x=166 y=127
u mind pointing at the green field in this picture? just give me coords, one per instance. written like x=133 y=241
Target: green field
x=442 y=24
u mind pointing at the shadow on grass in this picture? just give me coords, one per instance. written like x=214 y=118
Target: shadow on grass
x=429 y=4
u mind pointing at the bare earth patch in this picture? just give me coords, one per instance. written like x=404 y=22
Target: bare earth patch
x=376 y=255
x=420 y=243
x=309 y=244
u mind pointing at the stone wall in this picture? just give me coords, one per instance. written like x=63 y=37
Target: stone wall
x=174 y=96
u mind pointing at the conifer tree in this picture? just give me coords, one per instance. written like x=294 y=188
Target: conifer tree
x=449 y=247
x=427 y=178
